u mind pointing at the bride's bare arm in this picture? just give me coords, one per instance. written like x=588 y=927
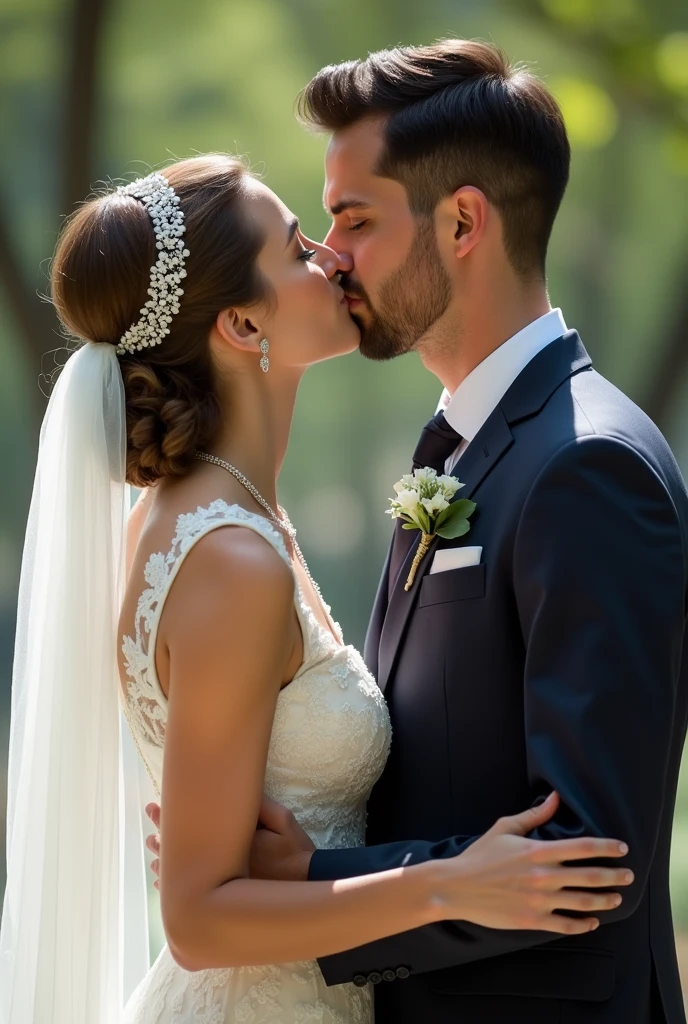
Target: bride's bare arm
x=229 y=629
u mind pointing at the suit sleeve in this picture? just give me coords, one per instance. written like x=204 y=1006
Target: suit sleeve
x=599 y=583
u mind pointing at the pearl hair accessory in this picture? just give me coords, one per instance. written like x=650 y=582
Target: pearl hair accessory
x=162 y=205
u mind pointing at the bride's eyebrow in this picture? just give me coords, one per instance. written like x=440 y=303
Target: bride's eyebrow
x=293 y=228
x=346 y=204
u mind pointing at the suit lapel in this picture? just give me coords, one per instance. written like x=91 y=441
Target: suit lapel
x=526 y=397
x=478 y=460
x=372 y=641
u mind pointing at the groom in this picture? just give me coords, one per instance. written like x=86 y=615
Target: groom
x=545 y=650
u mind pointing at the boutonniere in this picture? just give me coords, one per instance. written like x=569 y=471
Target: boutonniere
x=425 y=502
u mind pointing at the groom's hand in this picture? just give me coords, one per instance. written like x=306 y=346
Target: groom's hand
x=281 y=850
x=153 y=842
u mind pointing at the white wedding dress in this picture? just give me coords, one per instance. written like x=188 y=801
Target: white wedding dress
x=330 y=741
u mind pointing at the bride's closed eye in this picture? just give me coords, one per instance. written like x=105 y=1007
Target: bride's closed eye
x=307 y=255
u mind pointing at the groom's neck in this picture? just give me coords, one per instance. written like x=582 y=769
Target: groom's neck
x=476 y=324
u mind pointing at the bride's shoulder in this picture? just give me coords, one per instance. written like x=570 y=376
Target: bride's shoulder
x=231 y=590
x=209 y=553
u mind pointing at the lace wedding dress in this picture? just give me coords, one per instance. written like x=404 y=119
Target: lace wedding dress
x=330 y=741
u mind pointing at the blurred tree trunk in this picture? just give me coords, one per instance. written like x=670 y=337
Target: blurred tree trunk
x=673 y=364
x=35 y=321
x=81 y=98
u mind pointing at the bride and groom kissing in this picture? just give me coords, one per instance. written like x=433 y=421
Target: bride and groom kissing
x=473 y=822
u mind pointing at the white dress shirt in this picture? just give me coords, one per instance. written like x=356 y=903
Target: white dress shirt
x=485 y=386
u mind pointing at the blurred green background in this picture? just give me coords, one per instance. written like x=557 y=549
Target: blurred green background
x=98 y=89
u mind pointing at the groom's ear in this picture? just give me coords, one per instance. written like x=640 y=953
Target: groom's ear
x=469 y=209
x=238 y=329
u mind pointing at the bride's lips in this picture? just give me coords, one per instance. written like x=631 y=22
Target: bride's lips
x=352 y=300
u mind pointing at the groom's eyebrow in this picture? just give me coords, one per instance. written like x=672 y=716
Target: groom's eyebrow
x=345 y=204
x=293 y=228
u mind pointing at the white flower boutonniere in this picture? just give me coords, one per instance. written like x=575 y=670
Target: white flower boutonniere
x=424 y=502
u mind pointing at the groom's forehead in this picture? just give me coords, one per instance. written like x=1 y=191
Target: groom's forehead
x=350 y=161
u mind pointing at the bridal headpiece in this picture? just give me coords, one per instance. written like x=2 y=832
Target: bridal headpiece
x=162 y=205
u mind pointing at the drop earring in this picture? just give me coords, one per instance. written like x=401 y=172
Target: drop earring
x=264 y=362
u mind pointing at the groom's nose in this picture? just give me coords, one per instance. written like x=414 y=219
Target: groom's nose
x=331 y=240
x=346 y=262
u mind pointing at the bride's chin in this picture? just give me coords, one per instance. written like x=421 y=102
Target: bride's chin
x=345 y=343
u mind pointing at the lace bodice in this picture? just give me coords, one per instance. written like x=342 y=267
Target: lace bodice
x=331 y=731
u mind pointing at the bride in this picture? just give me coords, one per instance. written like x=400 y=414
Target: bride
x=200 y=305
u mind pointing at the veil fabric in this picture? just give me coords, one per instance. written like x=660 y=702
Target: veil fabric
x=75 y=874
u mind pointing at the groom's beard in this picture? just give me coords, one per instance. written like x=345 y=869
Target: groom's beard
x=411 y=300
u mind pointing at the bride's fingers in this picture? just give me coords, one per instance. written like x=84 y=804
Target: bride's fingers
x=523 y=823
x=586 y=902
x=587 y=848
x=589 y=878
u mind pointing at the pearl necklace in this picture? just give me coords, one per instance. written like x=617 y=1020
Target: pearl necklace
x=282 y=520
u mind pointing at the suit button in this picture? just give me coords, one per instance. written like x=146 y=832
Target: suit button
x=360 y=980
x=375 y=977
x=389 y=975
x=403 y=972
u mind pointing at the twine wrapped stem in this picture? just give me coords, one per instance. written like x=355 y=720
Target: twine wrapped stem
x=426 y=540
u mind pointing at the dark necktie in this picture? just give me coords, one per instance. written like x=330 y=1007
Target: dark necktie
x=437 y=442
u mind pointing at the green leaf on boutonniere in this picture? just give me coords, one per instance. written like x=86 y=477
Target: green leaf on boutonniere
x=462 y=508
x=423 y=519
x=454 y=530
x=453 y=522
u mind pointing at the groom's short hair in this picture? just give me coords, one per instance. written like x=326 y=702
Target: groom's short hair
x=457 y=113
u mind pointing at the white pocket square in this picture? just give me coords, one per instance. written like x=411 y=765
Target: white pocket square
x=455 y=558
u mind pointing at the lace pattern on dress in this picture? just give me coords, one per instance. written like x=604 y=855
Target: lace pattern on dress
x=145 y=699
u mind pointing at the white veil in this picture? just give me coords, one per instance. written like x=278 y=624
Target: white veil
x=67 y=904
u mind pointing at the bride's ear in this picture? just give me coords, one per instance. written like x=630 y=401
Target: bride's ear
x=238 y=330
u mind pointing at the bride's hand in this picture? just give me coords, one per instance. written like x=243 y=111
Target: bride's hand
x=504 y=880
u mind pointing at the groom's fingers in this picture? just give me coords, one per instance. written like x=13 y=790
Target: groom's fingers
x=153 y=812
x=153 y=844
x=274 y=816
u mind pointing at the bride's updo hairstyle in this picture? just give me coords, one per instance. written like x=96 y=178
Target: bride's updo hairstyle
x=99 y=282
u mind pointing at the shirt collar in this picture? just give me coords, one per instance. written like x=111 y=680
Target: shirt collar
x=484 y=387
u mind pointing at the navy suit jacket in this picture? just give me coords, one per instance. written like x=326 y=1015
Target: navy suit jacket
x=557 y=663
